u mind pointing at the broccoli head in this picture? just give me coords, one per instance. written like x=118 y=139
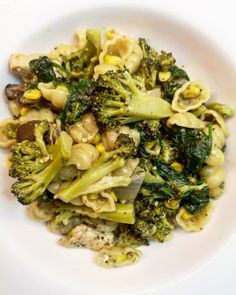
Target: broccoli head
x=153 y=219
x=119 y=101
x=33 y=183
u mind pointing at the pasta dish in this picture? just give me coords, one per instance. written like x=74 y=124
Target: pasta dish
x=112 y=145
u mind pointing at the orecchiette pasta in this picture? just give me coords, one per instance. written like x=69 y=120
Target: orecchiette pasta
x=83 y=155
x=216 y=192
x=19 y=64
x=41 y=114
x=103 y=202
x=190 y=96
x=57 y=96
x=214 y=176
x=127 y=50
x=80 y=39
x=86 y=236
x=62 y=50
x=185 y=119
x=7 y=130
x=38 y=214
x=216 y=157
x=84 y=130
x=195 y=222
x=117 y=256
x=214 y=117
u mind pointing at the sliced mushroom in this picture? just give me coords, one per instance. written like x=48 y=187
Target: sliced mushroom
x=26 y=131
x=14 y=91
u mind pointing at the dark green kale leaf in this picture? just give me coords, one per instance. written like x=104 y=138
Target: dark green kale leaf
x=42 y=67
x=193 y=144
x=194 y=201
x=78 y=102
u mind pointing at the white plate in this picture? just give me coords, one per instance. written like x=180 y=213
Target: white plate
x=74 y=270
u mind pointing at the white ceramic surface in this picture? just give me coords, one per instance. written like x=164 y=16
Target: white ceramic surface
x=74 y=270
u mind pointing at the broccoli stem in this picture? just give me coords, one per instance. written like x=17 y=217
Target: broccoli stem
x=91 y=176
x=124 y=214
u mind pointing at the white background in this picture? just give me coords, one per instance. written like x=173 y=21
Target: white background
x=217 y=20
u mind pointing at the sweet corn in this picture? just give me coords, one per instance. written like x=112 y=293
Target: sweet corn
x=112 y=60
x=164 y=76
x=192 y=91
x=177 y=166
x=23 y=111
x=62 y=87
x=100 y=148
x=186 y=215
x=121 y=258
x=32 y=94
x=97 y=139
x=110 y=34
x=172 y=204
x=114 y=197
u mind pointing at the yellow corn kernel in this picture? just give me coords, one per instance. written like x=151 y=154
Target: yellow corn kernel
x=110 y=34
x=164 y=76
x=192 y=91
x=121 y=258
x=114 y=197
x=172 y=204
x=23 y=111
x=96 y=139
x=62 y=87
x=32 y=94
x=112 y=60
x=177 y=166
x=186 y=215
x=100 y=148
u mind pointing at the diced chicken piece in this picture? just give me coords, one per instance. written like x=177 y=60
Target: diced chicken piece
x=19 y=64
x=88 y=237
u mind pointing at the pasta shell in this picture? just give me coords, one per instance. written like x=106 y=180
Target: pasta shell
x=197 y=221
x=5 y=141
x=185 y=119
x=190 y=96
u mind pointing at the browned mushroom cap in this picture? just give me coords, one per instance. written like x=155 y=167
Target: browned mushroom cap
x=26 y=131
x=14 y=91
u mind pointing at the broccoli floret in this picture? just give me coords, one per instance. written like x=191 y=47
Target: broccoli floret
x=81 y=64
x=30 y=156
x=148 y=129
x=126 y=236
x=119 y=101
x=78 y=102
x=42 y=67
x=29 y=187
x=106 y=163
x=153 y=219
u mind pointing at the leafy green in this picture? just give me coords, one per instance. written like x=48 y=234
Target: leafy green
x=194 y=145
x=42 y=67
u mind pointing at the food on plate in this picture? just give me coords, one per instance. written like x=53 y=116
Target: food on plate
x=112 y=145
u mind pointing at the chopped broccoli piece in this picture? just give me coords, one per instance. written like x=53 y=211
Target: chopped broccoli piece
x=81 y=64
x=106 y=163
x=32 y=185
x=119 y=101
